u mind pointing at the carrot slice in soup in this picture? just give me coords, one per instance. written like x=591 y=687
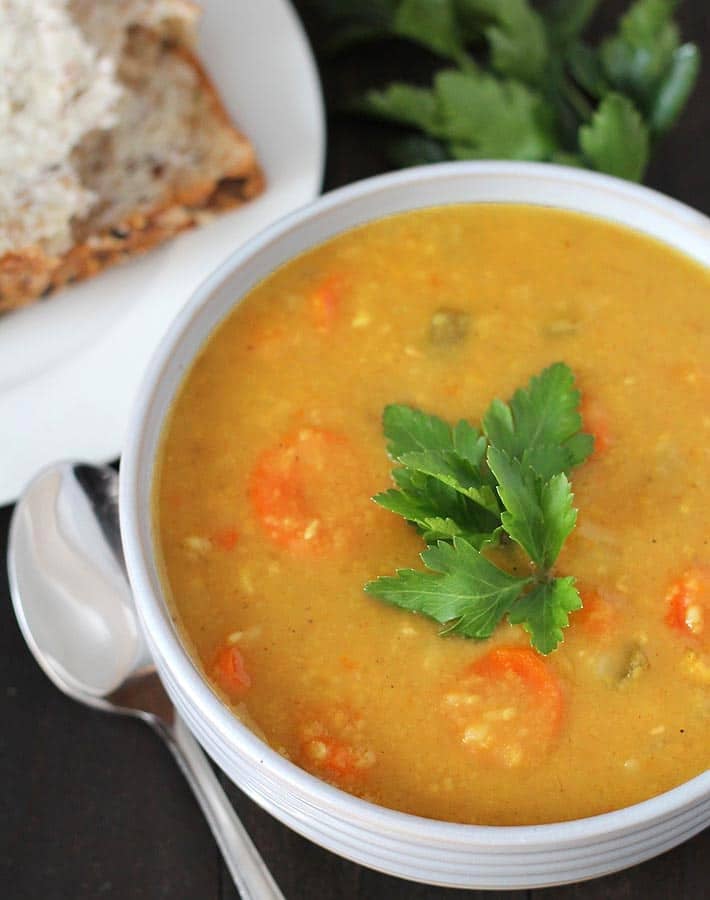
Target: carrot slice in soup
x=230 y=672
x=506 y=707
x=332 y=745
x=331 y=756
x=596 y=423
x=688 y=604
x=325 y=302
x=297 y=489
x=226 y=539
x=597 y=616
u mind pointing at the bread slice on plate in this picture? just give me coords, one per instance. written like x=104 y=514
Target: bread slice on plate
x=143 y=147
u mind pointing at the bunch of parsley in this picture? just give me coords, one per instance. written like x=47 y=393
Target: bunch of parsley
x=465 y=491
x=521 y=82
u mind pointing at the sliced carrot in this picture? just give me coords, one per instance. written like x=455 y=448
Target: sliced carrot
x=225 y=539
x=230 y=672
x=296 y=491
x=325 y=301
x=688 y=604
x=531 y=672
x=597 y=616
x=595 y=422
x=332 y=744
x=507 y=707
x=332 y=756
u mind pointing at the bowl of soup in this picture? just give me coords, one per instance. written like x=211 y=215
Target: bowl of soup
x=494 y=713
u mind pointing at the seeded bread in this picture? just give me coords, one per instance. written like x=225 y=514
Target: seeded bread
x=170 y=159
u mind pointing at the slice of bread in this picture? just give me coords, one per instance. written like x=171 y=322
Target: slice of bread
x=104 y=22
x=170 y=160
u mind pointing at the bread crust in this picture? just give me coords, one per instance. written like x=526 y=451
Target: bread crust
x=30 y=273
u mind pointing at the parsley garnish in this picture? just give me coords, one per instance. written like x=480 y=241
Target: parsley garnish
x=522 y=82
x=465 y=490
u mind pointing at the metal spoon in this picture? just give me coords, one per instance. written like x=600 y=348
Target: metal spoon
x=75 y=609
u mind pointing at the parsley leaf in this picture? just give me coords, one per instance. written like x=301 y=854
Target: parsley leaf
x=517 y=38
x=541 y=423
x=527 y=82
x=637 y=58
x=432 y=23
x=463 y=490
x=676 y=88
x=616 y=140
x=544 y=612
x=586 y=70
x=403 y=103
x=426 y=444
x=483 y=117
x=437 y=510
x=567 y=19
x=538 y=514
x=646 y=61
x=441 y=487
x=455 y=471
x=470 y=595
x=475 y=115
x=409 y=430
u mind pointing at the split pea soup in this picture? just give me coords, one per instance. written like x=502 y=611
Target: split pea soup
x=266 y=531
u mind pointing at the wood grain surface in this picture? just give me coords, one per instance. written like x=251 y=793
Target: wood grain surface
x=92 y=806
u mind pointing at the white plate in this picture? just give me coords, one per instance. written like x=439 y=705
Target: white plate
x=70 y=367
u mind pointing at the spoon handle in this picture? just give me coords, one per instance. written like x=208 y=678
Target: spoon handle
x=252 y=878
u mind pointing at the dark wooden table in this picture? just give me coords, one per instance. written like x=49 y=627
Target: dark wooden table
x=92 y=806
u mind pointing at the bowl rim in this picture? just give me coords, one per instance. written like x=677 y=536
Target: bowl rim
x=154 y=613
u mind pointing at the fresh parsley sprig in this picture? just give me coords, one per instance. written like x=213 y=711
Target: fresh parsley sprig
x=464 y=490
x=522 y=82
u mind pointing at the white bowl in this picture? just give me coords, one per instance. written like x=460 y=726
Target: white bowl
x=440 y=853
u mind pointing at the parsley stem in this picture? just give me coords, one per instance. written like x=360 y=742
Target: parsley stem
x=576 y=99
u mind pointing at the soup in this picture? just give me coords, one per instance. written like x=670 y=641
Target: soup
x=267 y=533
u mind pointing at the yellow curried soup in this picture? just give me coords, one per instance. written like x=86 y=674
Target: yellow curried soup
x=267 y=533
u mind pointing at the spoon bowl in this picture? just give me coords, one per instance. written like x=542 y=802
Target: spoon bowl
x=76 y=612
x=71 y=598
